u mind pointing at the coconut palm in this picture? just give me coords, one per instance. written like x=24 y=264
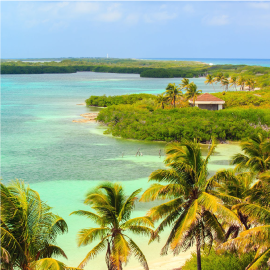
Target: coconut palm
x=185 y=83
x=28 y=230
x=241 y=82
x=172 y=91
x=233 y=189
x=191 y=210
x=219 y=77
x=192 y=92
x=233 y=81
x=162 y=99
x=113 y=210
x=256 y=155
x=224 y=82
x=255 y=239
x=210 y=80
x=250 y=83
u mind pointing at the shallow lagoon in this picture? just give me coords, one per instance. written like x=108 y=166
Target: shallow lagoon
x=62 y=159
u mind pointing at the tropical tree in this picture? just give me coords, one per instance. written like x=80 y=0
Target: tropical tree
x=162 y=99
x=256 y=156
x=28 y=230
x=219 y=77
x=233 y=189
x=113 y=212
x=192 y=211
x=224 y=82
x=256 y=239
x=250 y=83
x=241 y=82
x=184 y=84
x=192 y=92
x=233 y=82
x=172 y=91
x=210 y=80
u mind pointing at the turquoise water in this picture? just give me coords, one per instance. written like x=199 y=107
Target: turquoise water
x=62 y=159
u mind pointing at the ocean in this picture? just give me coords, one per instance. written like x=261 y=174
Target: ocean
x=62 y=160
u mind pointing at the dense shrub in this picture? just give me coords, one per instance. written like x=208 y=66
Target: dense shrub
x=104 y=101
x=134 y=122
x=213 y=261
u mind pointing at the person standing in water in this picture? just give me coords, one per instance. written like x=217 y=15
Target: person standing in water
x=159 y=153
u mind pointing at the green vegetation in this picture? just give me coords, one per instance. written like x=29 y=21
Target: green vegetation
x=104 y=101
x=147 y=123
x=113 y=210
x=214 y=261
x=237 y=99
x=192 y=210
x=226 y=216
x=28 y=230
x=168 y=117
x=146 y=68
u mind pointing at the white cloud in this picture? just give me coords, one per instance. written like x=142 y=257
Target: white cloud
x=260 y=5
x=188 y=8
x=217 y=20
x=132 y=18
x=62 y=14
x=159 y=17
x=113 y=13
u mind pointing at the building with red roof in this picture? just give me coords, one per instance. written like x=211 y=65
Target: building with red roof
x=208 y=102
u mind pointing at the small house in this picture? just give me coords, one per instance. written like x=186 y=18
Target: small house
x=208 y=102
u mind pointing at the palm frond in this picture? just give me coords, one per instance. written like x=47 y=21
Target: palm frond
x=138 y=254
x=93 y=253
x=87 y=236
x=128 y=205
x=49 y=264
x=138 y=221
x=216 y=207
x=89 y=215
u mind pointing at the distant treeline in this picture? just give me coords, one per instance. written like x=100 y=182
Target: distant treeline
x=6 y=69
x=146 y=68
x=104 y=101
x=144 y=72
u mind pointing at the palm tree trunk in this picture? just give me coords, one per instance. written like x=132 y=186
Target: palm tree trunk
x=174 y=101
x=199 y=263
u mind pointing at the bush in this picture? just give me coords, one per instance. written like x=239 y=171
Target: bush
x=213 y=261
x=104 y=101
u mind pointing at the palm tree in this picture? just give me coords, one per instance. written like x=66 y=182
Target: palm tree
x=192 y=92
x=233 y=189
x=241 y=82
x=191 y=210
x=185 y=83
x=224 y=82
x=250 y=83
x=172 y=91
x=233 y=81
x=162 y=99
x=113 y=212
x=256 y=239
x=219 y=77
x=210 y=80
x=28 y=230
x=256 y=155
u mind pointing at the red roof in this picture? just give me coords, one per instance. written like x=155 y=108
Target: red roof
x=207 y=97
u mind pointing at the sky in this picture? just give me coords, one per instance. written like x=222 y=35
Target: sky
x=153 y=29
